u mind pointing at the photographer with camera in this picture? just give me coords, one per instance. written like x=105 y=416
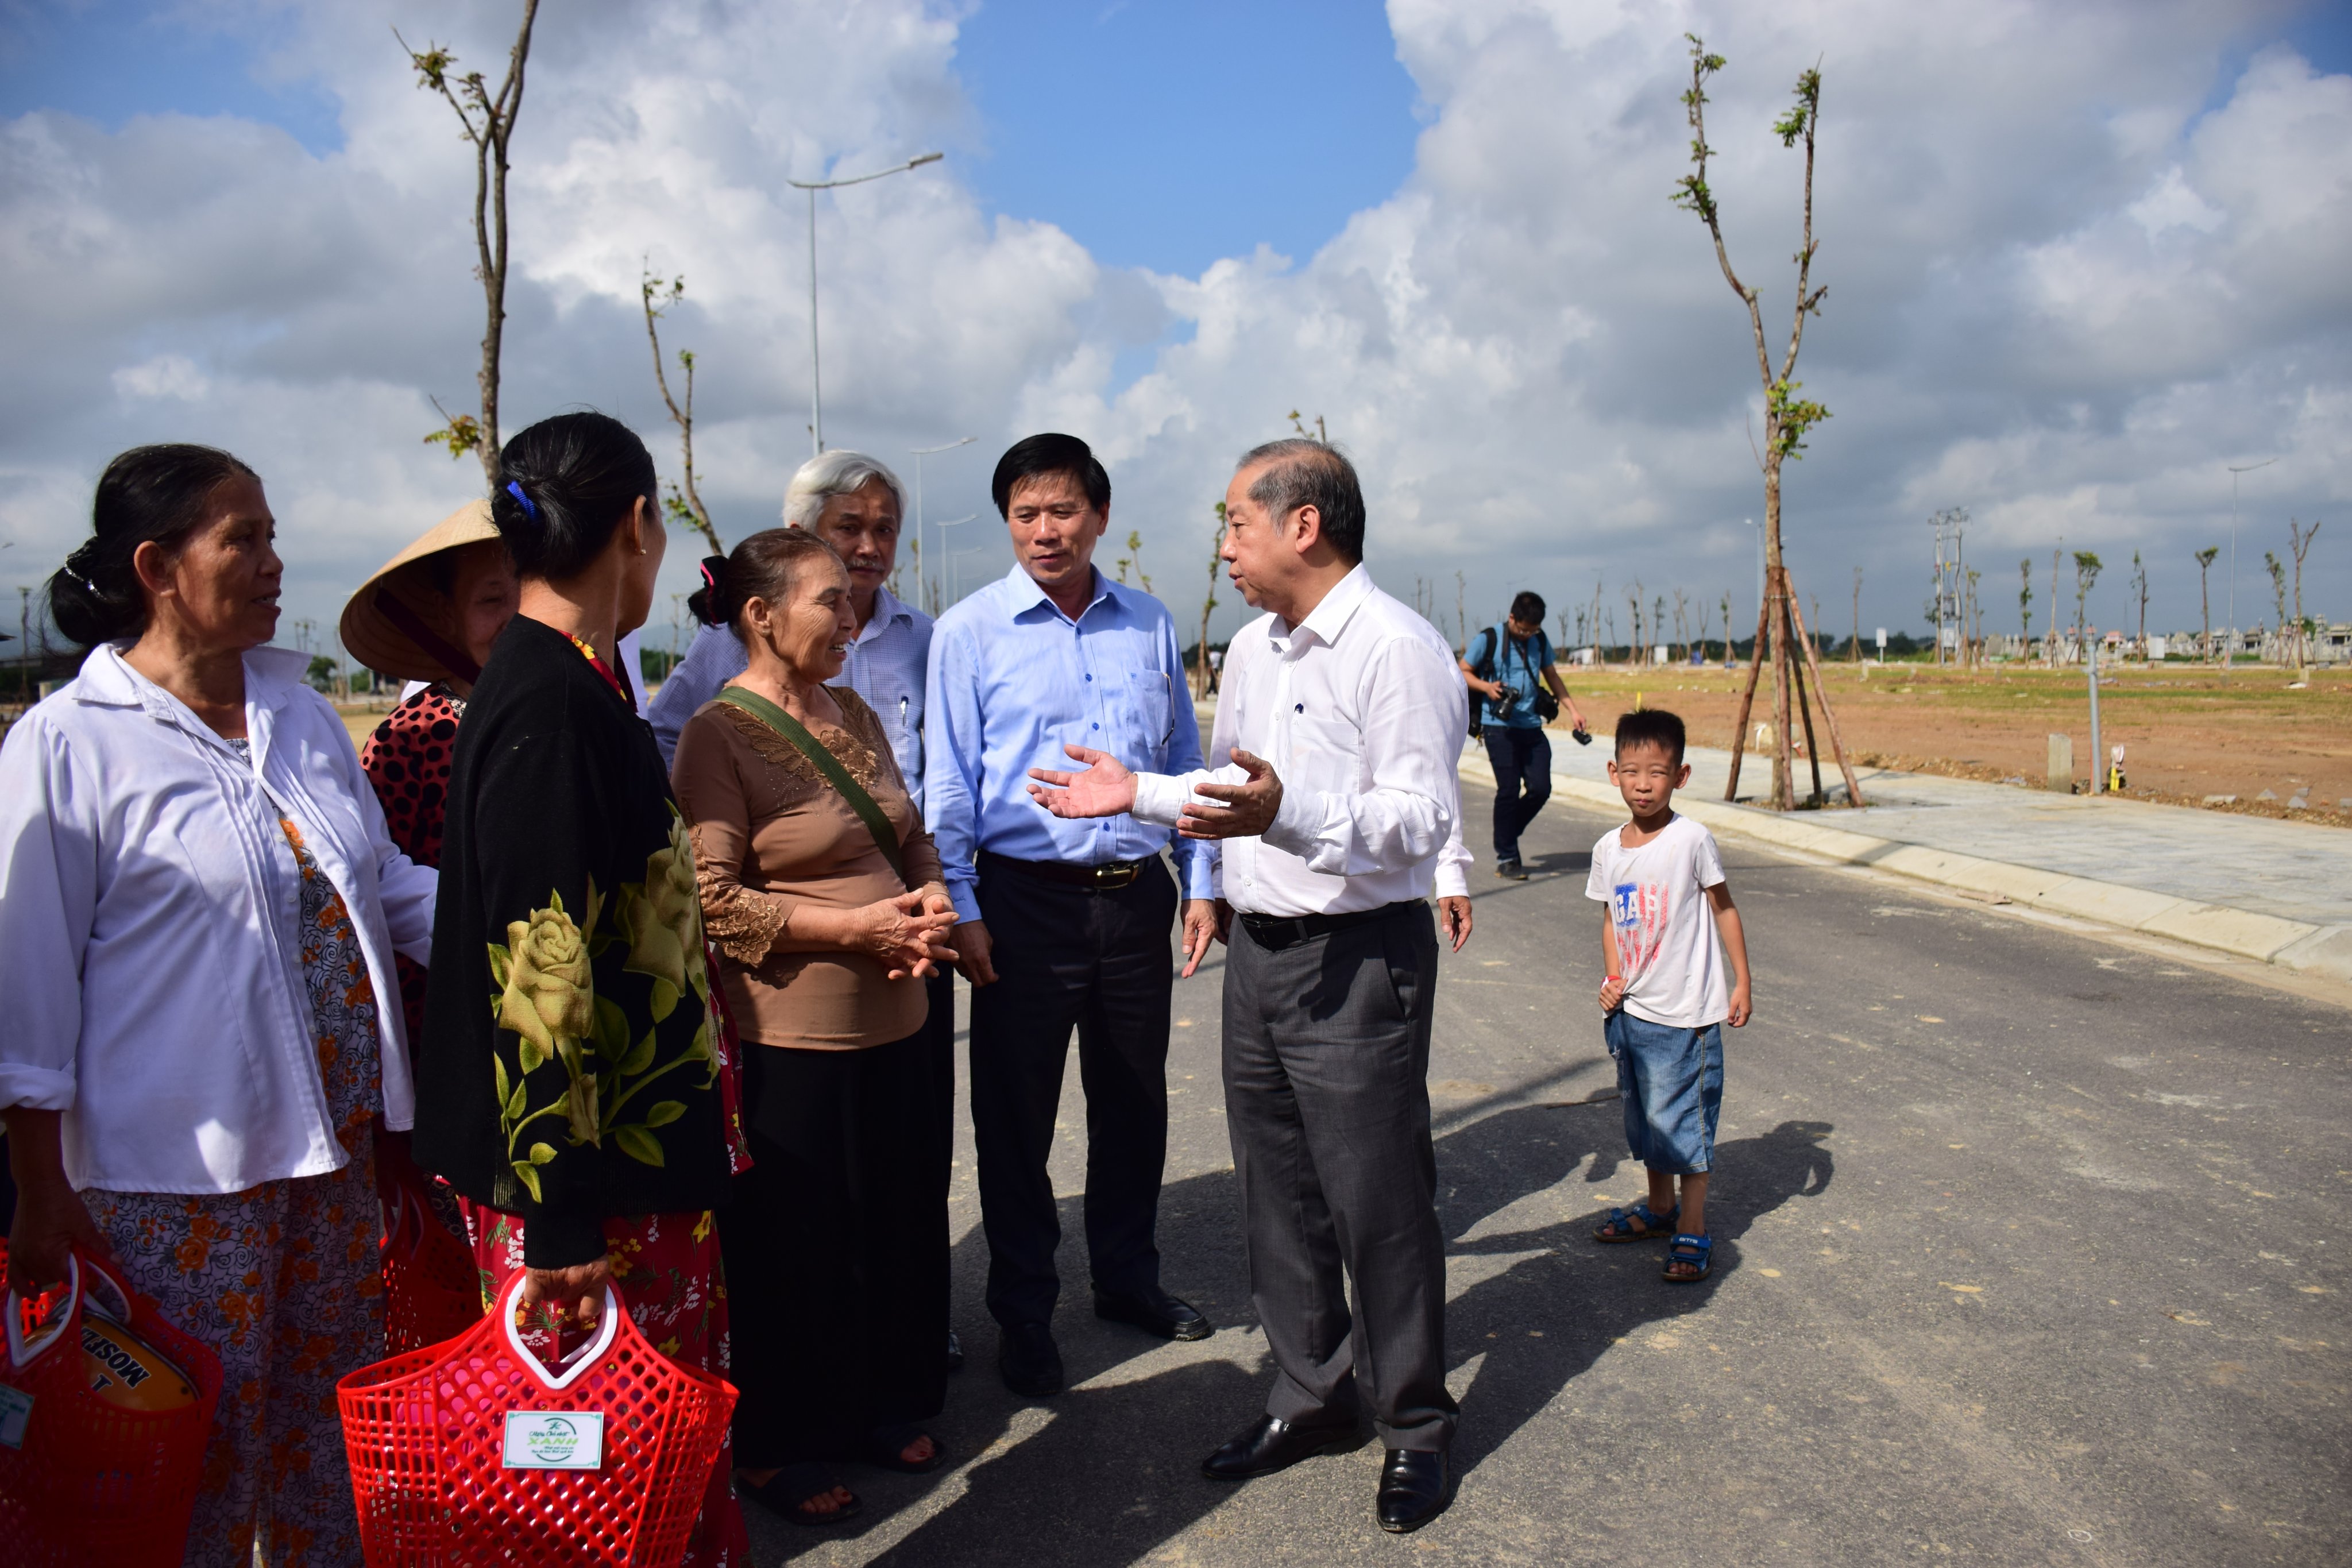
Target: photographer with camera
x=1511 y=667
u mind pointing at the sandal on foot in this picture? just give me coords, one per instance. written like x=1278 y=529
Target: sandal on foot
x=886 y=1448
x=789 y=1491
x=1693 y=1252
x=1637 y=1224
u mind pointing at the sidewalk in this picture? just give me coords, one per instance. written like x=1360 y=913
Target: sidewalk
x=2253 y=887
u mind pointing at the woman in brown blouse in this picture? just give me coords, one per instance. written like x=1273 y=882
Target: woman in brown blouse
x=837 y=1253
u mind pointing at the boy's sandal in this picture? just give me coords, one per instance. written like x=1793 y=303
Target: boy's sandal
x=790 y=1490
x=1637 y=1224
x=1691 y=1252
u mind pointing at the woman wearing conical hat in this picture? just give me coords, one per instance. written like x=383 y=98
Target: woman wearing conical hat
x=428 y=616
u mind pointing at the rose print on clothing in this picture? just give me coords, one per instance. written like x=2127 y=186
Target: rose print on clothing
x=547 y=996
x=662 y=920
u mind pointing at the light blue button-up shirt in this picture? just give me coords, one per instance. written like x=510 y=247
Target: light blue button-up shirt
x=1014 y=680
x=885 y=667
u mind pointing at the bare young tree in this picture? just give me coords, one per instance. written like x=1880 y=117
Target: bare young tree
x=2086 y=572
x=1216 y=560
x=1857 y=614
x=1787 y=418
x=1461 y=603
x=2139 y=588
x=684 y=502
x=2025 y=608
x=2300 y=539
x=1133 y=558
x=1682 y=625
x=2278 y=596
x=2205 y=601
x=2050 y=640
x=489 y=119
x=1726 y=629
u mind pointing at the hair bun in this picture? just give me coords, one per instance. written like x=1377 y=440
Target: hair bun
x=708 y=601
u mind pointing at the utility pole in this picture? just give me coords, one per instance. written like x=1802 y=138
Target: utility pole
x=918 y=454
x=23 y=641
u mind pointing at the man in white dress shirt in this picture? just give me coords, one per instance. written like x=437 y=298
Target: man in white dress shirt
x=1337 y=817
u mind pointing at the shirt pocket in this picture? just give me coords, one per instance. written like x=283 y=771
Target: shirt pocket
x=1155 y=713
x=1327 y=755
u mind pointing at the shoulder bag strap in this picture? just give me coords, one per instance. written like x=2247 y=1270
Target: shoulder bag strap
x=885 y=838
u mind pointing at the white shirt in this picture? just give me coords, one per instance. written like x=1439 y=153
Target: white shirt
x=1359 y=709
x=150 y=978
x=1665 y=931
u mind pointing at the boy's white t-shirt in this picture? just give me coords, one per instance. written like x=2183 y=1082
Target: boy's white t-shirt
x=1666 y=931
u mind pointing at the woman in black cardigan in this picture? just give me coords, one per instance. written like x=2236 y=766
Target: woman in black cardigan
x=572 y=1081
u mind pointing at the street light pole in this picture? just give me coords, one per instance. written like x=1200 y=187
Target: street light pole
x=947 y=562
x=2230 y=651
x=816 y=397
x=919 y=454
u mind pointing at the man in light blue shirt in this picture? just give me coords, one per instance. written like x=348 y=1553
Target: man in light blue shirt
x=854 y=504
x=1065 y=924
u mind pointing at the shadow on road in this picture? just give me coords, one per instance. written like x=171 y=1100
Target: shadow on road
x=1547 y=1317
x=1112 y=1473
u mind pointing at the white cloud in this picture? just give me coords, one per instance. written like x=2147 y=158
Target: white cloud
x=2062 y=292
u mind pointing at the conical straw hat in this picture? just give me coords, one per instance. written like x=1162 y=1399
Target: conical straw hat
x=392 y=624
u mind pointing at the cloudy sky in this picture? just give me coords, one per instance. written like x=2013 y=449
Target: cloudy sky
x=2082 y=259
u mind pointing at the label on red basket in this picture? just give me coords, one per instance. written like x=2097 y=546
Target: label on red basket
x=16 y=1409
x=555 y=1440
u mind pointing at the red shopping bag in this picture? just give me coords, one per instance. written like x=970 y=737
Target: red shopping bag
x=432 y=1291
x=475 y=1452
x=104 y=1410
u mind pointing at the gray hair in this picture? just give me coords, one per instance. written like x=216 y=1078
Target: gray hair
x=831 y=474
x=1311 y=473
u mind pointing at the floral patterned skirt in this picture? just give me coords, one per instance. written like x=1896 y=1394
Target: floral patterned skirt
x=666 y=1270
x=282 y=1281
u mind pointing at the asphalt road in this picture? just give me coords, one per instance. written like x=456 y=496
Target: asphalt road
x=2022 y=1255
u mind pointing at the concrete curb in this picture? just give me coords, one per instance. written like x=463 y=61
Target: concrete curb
x=2318 y=950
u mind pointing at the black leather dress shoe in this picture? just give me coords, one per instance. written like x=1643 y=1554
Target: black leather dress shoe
x=1415 y=1489
x=1029 y=1361
x=1271 y=1444
x=955 y=1351
x=1157 y=1313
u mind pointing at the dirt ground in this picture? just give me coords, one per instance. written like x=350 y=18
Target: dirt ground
x=2187 y=732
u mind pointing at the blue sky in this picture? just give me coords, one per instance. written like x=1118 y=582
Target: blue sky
x=1158 y=133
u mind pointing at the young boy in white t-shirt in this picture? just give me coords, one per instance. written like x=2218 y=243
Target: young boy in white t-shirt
x=1663 y=998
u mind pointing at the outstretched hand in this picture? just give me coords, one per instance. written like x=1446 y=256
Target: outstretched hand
x=1105 y=789
x=1246 y=810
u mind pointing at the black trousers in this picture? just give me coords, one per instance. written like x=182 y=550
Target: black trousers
x=1067 y=957
x=1327 y=1100
x=836 y=1242
x=1522 y=762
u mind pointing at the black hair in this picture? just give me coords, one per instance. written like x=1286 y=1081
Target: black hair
x=148 y=495
x=1312 y=473
x=1651 y=727
x=1527 y=608
x=564 y=485
x=1035 y=457
x=761 y=568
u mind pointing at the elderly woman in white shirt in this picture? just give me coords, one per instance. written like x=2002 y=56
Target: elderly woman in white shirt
x=199 y=907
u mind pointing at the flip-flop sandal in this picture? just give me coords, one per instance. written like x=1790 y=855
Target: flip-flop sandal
x=886 y=1448
x=1621 y=1222
x=788 y=1489
x=1694 y=1252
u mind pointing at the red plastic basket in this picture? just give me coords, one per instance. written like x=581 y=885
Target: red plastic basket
x=92 y=1485
x=433 y=1454
x=432 y=1291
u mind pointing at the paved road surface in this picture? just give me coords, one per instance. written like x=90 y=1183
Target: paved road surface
x=2030 y=1249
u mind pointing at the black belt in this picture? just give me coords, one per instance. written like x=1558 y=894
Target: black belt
x=1103 y=878
x=1275 y=932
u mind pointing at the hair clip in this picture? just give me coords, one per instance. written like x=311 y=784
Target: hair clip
x=514 y=488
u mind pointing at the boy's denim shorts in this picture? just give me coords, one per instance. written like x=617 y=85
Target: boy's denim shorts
x=1671 y=1081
